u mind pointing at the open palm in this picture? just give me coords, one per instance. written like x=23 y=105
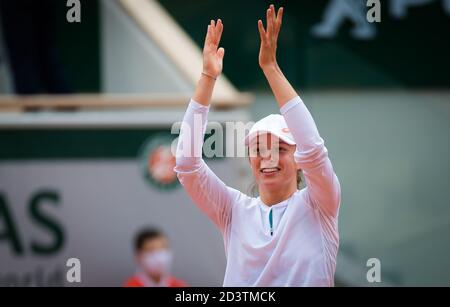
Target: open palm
x=269 y=37
x=212 y=54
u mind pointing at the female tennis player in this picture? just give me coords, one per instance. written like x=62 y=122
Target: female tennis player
x=286 y=236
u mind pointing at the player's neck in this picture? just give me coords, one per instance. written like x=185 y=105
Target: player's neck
x=273 y=197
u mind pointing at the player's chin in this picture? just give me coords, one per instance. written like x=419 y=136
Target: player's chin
x=272 y=180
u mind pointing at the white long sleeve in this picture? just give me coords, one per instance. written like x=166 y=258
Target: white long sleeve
x=190 y=144
x=205 y=189
x=311 y=155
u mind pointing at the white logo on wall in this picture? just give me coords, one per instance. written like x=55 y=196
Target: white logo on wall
x=374 y=273
x=74 y=13
x=74 y=272
x=363 y=16
x=338 y=11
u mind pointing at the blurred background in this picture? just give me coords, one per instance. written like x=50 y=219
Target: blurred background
x=88 y=98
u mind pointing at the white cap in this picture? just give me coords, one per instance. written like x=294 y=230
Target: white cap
x=274 y=124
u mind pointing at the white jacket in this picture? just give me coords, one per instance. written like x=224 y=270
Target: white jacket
x=303 y=248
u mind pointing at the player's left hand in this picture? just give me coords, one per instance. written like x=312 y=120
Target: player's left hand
x=269 y=37
x=212 y=54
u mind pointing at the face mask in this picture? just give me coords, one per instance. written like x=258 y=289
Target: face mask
x=158 y=263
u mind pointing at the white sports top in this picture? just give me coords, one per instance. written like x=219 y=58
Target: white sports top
x=303 y=247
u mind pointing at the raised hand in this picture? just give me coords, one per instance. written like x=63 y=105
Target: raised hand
x=212 y=54
x=269 y=37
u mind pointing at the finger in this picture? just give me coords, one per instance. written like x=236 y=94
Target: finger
x=208 y=36
x=221 y=53
x=279 y=20
x=273 y=18
x=213 y=31
x=269 y=24
x=262 y=32
x=272 y=9
x=219 y=31
x=280 y=14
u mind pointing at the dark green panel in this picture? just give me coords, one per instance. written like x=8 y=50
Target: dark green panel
x=64 y=144
x=407 y=53
x=79 y=45
x=79 y=143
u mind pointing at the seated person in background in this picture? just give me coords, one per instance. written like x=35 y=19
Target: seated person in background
x=154 y=260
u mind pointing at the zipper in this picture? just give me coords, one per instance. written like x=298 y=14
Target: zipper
x=271 y=222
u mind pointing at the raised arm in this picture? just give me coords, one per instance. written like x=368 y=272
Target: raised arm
x=189 y=149
x=281 y=88
x=311 y=155
x=212 y=63
x=206 y=190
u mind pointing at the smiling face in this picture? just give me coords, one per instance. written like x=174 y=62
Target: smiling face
x=272 y=162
